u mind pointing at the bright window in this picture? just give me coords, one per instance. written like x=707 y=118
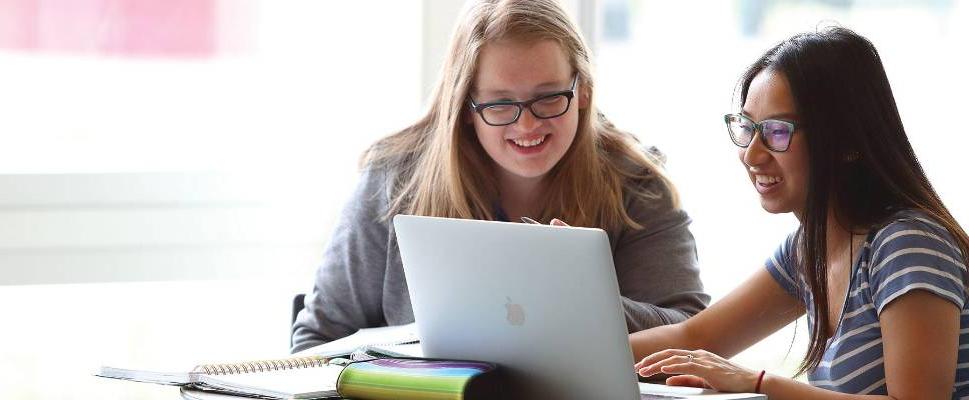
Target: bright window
x=198 y=152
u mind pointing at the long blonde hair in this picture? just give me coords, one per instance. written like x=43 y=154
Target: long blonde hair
x=440 y=169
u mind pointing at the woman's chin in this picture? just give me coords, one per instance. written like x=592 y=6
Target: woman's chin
x=536 y=174
x=526 y=169
x=774 y=207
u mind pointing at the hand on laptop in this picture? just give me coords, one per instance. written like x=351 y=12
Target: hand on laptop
x=557 y=222
x=698 y=368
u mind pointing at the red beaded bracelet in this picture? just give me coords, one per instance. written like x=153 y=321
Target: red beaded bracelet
x=760 y=379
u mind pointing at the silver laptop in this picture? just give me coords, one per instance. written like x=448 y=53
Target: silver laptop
x=540 y=301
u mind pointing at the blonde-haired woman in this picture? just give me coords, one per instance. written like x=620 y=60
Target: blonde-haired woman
x=512 y=131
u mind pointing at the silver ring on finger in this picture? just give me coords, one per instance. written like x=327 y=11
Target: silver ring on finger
x=689 y=358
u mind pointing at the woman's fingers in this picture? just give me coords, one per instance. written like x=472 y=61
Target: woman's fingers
x=698 y=368
x=557 y=222
x=673 y=357
x=657 y=356
x=685 y=368
x=687 y=380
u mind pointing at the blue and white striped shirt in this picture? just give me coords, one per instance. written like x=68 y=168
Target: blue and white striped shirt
x=912 y=252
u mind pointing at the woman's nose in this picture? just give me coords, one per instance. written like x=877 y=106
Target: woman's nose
x=755 y=153
x=527 y=121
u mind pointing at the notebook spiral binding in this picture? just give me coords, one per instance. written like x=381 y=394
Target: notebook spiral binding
x=261 y=365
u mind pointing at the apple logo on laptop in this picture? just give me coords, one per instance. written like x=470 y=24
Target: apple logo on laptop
x=516 y=314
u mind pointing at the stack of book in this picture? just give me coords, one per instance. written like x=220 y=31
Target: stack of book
x=376 y=363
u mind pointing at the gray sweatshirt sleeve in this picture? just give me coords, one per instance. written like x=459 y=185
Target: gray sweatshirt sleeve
x=657 y=266
x=348 y=292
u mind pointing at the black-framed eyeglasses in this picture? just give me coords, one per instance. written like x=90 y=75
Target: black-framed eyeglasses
x=775 y=134
x=507 y=112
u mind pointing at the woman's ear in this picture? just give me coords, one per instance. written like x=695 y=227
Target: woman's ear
x=585 y=97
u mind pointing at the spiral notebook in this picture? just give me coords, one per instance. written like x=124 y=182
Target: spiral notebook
x=310 y=374
x=309 y=377
x=406 y=379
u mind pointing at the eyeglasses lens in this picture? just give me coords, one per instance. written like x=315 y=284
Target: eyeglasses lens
x=777 y=135
x=741 y=130
x=551 y=106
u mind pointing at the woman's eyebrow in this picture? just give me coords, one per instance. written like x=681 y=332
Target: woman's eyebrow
x=780 y=115
x=493 y=93
x=546 y=87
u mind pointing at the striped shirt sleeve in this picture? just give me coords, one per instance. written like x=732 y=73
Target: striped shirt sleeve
x=915 y=254
x=782 y=267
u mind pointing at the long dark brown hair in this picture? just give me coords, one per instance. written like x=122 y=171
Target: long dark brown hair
x=861 y=165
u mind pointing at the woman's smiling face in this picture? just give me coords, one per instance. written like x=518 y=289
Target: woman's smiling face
x=519 y=71
x=781 y=178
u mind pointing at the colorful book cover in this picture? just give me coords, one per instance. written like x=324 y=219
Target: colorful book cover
x=405 y=379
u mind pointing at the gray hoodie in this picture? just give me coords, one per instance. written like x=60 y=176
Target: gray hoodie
x=361 y=284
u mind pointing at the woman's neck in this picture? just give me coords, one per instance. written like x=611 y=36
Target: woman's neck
x=521 y=196
x=837 y=236
x=840 y=237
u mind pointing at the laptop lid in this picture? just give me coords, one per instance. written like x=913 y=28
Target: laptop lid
x=541 y=301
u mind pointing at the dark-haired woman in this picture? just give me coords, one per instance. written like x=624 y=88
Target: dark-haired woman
x=878 y=263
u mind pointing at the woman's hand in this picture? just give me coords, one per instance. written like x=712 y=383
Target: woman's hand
x=698 y=368
x=557 y=222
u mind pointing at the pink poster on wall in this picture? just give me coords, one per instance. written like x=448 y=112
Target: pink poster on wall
x=128 y=28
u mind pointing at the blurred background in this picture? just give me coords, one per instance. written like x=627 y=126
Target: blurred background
x=170 y=171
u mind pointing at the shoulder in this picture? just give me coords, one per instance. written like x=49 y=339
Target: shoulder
x=787 y=256
x=639 y=167
x=644 y=186
x=782 y=264
x=641 y=160
x=910 y=219
x=375 y=182
x=908 y=229
x=651 y=201
x=371 y=198
x=912 y=251
x=788 y=248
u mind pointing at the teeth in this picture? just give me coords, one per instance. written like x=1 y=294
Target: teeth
x=767 y=180
x=529 y=143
